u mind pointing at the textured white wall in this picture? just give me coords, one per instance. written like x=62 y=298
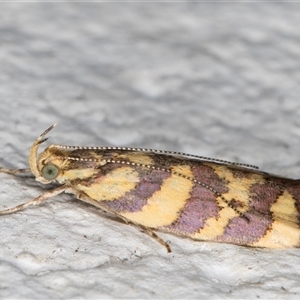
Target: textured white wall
x=214 y=79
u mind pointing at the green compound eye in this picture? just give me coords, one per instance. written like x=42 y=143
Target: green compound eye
x=50 y=172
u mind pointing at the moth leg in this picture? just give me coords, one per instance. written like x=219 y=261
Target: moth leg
x=148 y=231
x=151 y=233
x=36 y=201
x=14 y=171
x=84 y=197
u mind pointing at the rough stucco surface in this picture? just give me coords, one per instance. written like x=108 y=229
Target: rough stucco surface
x=214 y=79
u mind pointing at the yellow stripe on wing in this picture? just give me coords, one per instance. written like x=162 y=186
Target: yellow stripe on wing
x=163 y=207
x=113 y=186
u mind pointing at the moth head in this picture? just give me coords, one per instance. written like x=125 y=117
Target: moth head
x=59 y=163
x=44 y=170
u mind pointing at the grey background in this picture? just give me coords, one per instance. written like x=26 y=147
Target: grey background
x=214 y=79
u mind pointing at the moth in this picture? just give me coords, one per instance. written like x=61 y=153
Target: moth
x=187 y=195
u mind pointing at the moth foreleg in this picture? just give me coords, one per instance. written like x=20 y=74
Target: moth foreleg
x=36 y=201
x=14 y=171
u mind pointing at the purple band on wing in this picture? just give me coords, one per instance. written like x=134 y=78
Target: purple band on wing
x=202 y=203
x=134 y=200
x=246 y=230
x=206 y=175
x=262 y=196
x=294 y=189
x=198 y=209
